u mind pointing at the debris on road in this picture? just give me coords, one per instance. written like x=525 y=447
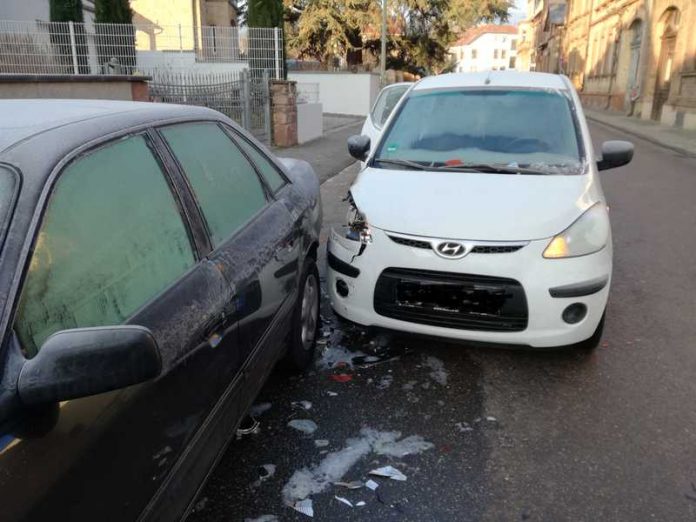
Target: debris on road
x=371 y=484
x=259 y=409
x=355 y=484
x=304 y=506
x=344 y=501
x=360 y=503
x=341 y=377
x=388 y=472
x=438 y=372
x=266 y=471
x=463 y=427
x=248 y=426
x=263 y=518
x=389 y=445
x=491 y=419
x=304 y=425
x=385 y=382
x=303 y=405
x=332 y=394
x=321 y=443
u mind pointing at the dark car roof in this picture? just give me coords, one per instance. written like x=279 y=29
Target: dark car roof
x=24 y=120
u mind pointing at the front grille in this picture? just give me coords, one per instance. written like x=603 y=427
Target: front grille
x=411 y=242
x=491 y=249
x=462 y=301
x=478 y=249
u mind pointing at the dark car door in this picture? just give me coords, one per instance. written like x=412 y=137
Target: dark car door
x=116 y=245
x=253 y=234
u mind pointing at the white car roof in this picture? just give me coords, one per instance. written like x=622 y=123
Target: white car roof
x=494 y=79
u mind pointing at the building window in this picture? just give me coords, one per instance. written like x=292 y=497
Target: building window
x=495 y=54
x=503 y=54
x=513 y=44
x=473 y=54
x=512 y=62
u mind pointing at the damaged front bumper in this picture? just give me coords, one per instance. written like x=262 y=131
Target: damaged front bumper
x=510 y=298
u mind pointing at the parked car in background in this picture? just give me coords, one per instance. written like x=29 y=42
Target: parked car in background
x=386 y=101
x=156 y=262
x=480 y=216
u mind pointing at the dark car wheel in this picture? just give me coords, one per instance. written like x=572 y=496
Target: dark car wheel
x=305 y=321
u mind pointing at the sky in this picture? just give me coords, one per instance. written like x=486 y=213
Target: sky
x=518 y=12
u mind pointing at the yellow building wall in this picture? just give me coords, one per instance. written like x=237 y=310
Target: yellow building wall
x=166 y=25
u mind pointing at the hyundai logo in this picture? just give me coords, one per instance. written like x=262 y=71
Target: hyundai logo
x=451 y=250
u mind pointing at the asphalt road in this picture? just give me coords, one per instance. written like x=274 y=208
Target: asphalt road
x=516 y=435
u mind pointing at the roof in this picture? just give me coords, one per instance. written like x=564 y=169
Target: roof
x=22 y=119
x=475 y=32
x=496 y=79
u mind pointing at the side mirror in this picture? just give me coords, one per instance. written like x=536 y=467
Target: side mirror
x=359 y=146
x=615 y=154
x=86 y=361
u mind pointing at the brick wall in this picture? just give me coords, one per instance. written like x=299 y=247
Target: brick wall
x=284 y=113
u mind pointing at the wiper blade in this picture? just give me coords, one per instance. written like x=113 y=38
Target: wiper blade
x=403 y=163
x=495 y=168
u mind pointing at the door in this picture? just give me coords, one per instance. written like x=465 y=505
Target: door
x=382 y=109
x=253 y=234
x=670 y=24
x=115 y=246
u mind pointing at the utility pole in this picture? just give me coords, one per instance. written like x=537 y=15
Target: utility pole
x=383 y=54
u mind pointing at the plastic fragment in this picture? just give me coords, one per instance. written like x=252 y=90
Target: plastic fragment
x=341 y=377
x=304 y=425
x=491 y=419
x=355 y=484
x=344 y=501
x=371 y=484
x=321 y=443
x=360 y=503
x=303 y=405
x=248 y=426
x=388 y=472
x=304 y=506
x=332 y=394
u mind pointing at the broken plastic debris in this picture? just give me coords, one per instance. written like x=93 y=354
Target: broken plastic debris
x=361 y=503
x=371 y=484
x=388 y=472
x=266 y=471
x=258 y=409
x=355 y=484
x=491 y=419
x=263 y=518
x=248 y=426
x=304 y=506
x=331 y=394
x=344 y=501
x=463 y=427
x=304 y=425
x=341 y=377
x=303 y=405
x=321 y=443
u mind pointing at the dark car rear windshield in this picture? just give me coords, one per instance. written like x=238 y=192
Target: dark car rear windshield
x=521 y=127
x=8 y=182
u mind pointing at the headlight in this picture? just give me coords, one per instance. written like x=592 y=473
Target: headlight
x=587 y=235
x=358 y=229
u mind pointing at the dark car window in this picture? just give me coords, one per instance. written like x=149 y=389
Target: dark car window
x=8 y=182
x=269 y=172
x=111 y=239
x=226 y=185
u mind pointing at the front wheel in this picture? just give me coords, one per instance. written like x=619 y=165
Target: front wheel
x=305 y=320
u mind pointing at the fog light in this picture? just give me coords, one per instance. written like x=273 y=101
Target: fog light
x=341 y=288
x=574 y=313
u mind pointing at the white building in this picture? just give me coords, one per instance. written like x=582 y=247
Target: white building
x=486 y=48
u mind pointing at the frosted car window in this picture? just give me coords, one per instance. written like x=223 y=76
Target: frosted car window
x=225 y=184
x=111 y=239
x=268 y=171
x=386 y=102
x=526 y=127
x=8 y=182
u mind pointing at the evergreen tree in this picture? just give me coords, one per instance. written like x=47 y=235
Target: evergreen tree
x=265 y=13
x=113 y=12
x=66 y=11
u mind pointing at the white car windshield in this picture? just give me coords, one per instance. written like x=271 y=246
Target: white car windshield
x=489 y=130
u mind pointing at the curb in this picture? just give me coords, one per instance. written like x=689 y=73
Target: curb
x=646 y=137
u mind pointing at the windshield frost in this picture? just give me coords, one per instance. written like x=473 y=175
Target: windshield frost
x=521 y=128
x=7 y=188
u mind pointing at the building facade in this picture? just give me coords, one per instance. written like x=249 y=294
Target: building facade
x=633 y=56
x=486 y=48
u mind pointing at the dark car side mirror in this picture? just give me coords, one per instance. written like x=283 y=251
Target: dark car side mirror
x=615 y=154
x=359 y=146
x=86 y=361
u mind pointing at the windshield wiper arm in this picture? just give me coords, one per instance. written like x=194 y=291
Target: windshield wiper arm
x=403 y=163
x=496 y=168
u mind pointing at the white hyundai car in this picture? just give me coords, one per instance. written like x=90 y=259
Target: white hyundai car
x=479 y=215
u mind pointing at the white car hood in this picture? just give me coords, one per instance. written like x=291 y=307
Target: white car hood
x=472 y=206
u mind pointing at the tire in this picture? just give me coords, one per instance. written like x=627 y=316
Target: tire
x=592 y=343
x=305 y=320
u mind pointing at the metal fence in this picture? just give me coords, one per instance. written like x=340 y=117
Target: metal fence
x=239 y=95
x=87 y=48
x=307 y=92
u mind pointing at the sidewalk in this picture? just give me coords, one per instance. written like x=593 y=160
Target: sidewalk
x=678 y=140
x=328 y=154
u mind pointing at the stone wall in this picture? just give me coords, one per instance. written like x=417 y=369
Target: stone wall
x=284 y=113
x=102 y=87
